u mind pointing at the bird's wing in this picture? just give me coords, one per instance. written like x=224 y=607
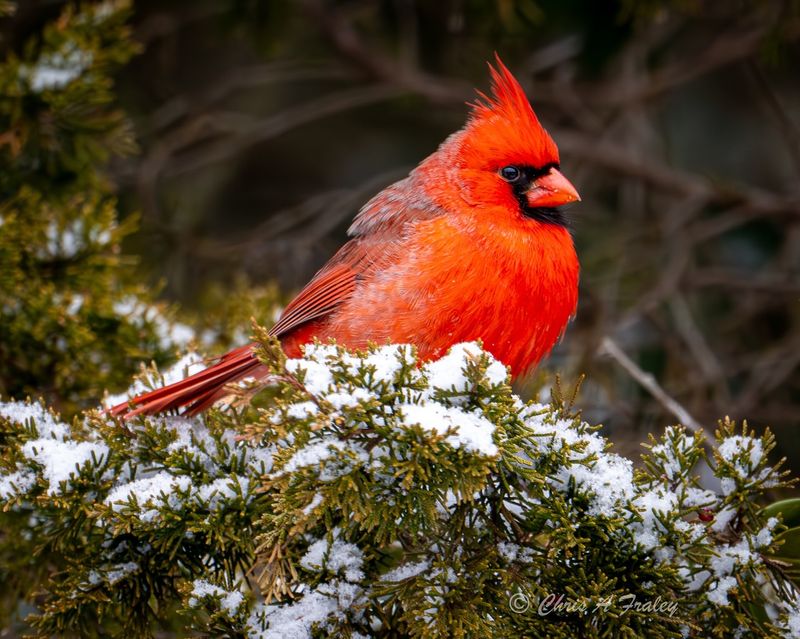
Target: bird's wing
x=330 y=287
x=372 y=249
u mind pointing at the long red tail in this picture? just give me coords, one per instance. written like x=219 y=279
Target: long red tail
x=199 y=391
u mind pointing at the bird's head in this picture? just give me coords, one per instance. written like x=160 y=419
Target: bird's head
x=504 y=159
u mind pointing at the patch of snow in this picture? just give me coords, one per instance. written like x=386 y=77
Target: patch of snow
x=60 y=460
x=473 y=431
x=731 y=558
x=223 y=489
x=297 y=620
x=669 y=455
x=610 y=479
x=694 y=579
x=745 y=453
x=718 y=593
x=147 y=491
x=448 y=372
x=229 y=601
x=316 y=501
x=120 y=571
x=406 y=571
x=793 y=624
x=348 y=399
x=312 y=454
x=16 y=483
x=387 y=361
x=56 y=70
x=764 y=536
x=723 y=518
x=301 y=410
x=317 y=376
x=46 y=424
x=339 y=555
x=75 y=304
x=170 y=334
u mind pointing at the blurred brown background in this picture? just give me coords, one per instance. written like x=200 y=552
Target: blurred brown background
x=263 y=125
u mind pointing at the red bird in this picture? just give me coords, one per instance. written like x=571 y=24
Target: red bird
x=469 y=246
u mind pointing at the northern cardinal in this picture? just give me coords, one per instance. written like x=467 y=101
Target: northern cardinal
x=469 y=246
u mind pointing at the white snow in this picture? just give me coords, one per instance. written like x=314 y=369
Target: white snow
x=317 y=376
x=120 y=571
x=406 y=571
x=723 y=518
x=229 y=601
x=57 y=455
x=650 y=505
x=699 y=497
x=718 y=593
x=301 y=410
x=192 y=437
x=223 y=489
x=732 y=558
x=112 y=574
x=745 y=453
x=56 y=70
x=667 y=451
x=609 y=479
x=339 y=555
x=312 y=454
x=65 y=241
x=694 y=579
x=16 y=483
x=447 y=373
x=513 y=552
x=764 y=536
x=296 y=621
x=316 y=501
x=161 y=486
x=793 y=624
x=348 y=399
x=473 y=431
x=60 y=460
x=75 y=304
x=180 y=334
x=46 y=423
x=387 y=361
x=606 y=477
x=259 y=458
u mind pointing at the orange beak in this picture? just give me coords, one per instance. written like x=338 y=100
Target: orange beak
x=551 y=190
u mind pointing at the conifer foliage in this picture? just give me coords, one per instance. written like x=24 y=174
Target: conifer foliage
x=72 y=320
x=365 y=495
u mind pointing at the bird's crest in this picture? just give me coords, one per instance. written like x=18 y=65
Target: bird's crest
x=505 y=123
x=508 y=98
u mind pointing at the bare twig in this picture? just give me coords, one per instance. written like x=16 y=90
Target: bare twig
x=338 y=205
x=609 y=347
x=347 y=41
x=727 y=49
x=284 y=121
x=773 y=283
x=673 y=180
x=249 y=77
x=702 y=353
x=787 y=127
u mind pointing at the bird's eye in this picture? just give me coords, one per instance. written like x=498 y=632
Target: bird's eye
x=510 y=173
